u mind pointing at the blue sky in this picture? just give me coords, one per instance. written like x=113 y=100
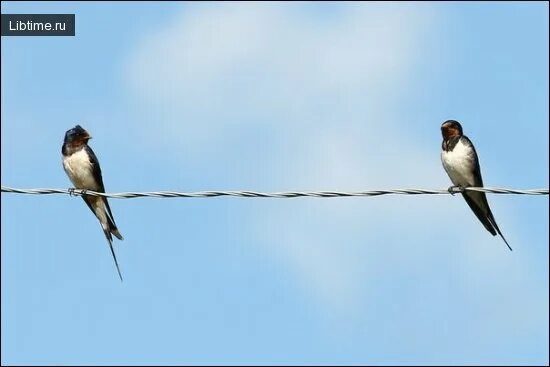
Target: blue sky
x=274 y=97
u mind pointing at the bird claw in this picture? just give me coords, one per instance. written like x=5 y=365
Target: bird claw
x=455 y=190
x=73 y=193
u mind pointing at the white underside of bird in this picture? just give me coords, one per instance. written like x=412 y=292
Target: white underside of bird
x=459 y=164
x=79 y=169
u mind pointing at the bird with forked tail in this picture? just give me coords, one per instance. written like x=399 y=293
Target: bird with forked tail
x=82 y=167
x=460 y=160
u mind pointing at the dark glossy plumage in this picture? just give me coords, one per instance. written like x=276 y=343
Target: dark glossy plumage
x=82 y=167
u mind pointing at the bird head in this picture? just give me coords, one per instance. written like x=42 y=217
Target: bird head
x=450 y=129
x=77 y=135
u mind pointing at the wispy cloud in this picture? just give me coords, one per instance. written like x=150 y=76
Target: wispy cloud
x=225 y=67
x=325 y=87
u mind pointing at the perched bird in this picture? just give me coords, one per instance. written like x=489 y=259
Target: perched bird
x=460 y=160
x=82 y=167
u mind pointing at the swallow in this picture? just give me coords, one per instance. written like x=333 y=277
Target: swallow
x=82 y=167
x=461 y=163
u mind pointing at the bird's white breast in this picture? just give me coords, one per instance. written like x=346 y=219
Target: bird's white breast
x=79 y=169
x=459 y=164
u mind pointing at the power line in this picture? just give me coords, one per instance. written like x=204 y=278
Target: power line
x=278 y=195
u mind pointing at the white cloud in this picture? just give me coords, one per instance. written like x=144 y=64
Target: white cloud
x=324 y=87
x=232 y=66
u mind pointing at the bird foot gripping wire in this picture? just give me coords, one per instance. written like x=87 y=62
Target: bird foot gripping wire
x=455 y=190
x=73 y=193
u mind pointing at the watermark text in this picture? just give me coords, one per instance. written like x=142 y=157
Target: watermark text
x=38 y=24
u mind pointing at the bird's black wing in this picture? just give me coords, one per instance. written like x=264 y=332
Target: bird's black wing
x=96 y=171
x=477 y=201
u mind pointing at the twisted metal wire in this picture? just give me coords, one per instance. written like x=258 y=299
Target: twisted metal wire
x=290 y=194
